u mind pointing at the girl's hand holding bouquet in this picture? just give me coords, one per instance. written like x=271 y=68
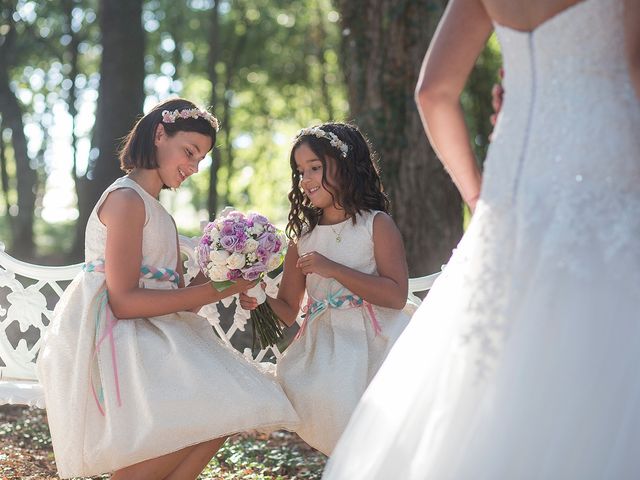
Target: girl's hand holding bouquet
x=235 y=246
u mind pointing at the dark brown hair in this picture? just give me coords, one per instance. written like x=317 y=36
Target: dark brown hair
x=138 y=148
x=357 y=177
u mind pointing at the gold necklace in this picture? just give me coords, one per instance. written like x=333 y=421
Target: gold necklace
x=338 y=234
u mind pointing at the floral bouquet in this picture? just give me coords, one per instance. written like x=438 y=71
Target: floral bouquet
x=236 y=246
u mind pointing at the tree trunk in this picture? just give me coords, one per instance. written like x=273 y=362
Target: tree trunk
x=4 y=175
x=321 y=52
x=72 y=55
x=120 y=101
x=23 y=245
x=214 y=58
x=222 y=103
x=384 y=42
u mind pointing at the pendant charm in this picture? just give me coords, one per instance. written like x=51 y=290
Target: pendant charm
x=338 y=239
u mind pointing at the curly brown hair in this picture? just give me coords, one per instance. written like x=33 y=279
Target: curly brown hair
x=358 y=187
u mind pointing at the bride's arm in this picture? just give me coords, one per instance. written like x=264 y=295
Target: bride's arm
x=632 y=36
x=459 y=39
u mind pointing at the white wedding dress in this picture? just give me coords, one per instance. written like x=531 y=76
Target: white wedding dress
x=522 y=363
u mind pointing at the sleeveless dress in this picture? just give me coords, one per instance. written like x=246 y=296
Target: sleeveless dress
x=155 y=385
x=343 y=340
x=522 y=361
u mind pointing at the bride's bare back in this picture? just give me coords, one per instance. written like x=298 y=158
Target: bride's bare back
x=525 y=15
x=459 y=39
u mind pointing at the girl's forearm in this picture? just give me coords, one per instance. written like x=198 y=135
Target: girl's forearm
x=145 y=302
x=382 y=291
x=287 y=313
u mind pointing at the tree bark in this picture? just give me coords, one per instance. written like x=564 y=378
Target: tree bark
x=214 y=58
x=73 y=56
x=321 y=52
x=23 y=245
x=384 y=42
x=222 y=103
x=4 y=175
x=120 y=101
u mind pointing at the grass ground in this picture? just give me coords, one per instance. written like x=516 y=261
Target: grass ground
x=26 y=452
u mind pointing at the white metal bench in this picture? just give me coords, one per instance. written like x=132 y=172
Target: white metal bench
x=28 y=293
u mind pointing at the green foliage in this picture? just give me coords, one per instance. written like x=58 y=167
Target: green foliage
x=27 y=430
x=476 y=98
x=260 y=457
x=271 y=62
x=277 y=69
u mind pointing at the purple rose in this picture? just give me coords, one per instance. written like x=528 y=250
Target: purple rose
x=203 y=255
x=241 y=236
x=277 y=247
x=209 y=227
x=239 y=246
x=229 y=242
x=254 y=272
x=268 y=241
x=235 y=214
x=234 y=274
x=256 y=218
x=262 y=254
x=227 y=230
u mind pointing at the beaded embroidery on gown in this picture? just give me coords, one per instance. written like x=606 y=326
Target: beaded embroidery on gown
x=522 y=361
x=173 y=383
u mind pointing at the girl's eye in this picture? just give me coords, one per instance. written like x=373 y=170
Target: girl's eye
x=188 y=152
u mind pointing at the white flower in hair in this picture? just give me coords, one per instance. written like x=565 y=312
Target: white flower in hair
x=171 y=117
x=334 y=141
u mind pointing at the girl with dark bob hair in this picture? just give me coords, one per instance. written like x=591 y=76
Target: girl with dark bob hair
x=130 y=373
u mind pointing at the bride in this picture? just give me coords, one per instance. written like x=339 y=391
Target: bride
x=522 y=361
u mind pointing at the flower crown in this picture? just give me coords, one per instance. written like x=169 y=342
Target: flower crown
x=332 y=137
x=171 y=117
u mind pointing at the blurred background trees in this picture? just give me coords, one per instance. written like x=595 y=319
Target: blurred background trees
x=75 y=75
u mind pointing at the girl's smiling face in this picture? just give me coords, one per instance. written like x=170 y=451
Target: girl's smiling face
x=310 y=168
x=178 y=155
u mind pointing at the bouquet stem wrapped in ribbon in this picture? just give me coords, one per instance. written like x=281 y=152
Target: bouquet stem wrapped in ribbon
x=236 y=246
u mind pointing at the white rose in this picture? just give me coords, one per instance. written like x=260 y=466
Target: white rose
x=218 y=273
x=226 y=211
x=250 y=246
x=252 y=257
x=219 y=257
x=273 y=262
x=257 y=229
x=236 y=261
x=214 y=235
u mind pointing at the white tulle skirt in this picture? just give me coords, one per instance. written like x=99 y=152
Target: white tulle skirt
x=520 y=364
